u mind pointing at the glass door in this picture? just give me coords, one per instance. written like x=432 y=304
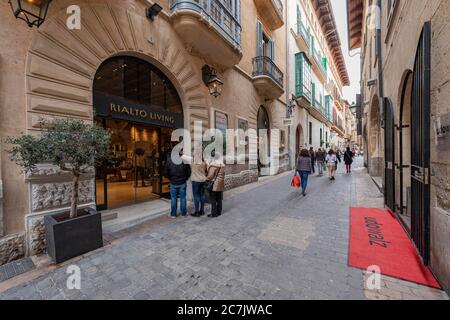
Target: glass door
x=133 y=174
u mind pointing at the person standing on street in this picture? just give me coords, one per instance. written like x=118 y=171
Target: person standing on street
x=216 y=175
x=348 y=159
x=304 y=168
x=320 y=159
x=331 y=160
x=338 y=158
x=312 y=156
x=199 y=171
x=178 y=174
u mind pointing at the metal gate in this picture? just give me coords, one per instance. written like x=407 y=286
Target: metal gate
x=420 y=146
x=389 y=149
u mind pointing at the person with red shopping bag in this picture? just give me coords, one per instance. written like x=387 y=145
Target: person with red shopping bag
x=304 y=168
x=296 y=182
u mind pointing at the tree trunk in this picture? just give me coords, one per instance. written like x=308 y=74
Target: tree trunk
x=74 y=200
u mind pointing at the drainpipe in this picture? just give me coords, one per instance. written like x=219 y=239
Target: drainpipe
x=380 y=64
x=288 y=83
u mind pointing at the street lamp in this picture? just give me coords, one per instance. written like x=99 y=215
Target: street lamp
x=212 y=81
x=33 y=12
x=290 y=107
x=153 y=11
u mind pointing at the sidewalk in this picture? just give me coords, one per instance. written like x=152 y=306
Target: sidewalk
x=271 y=243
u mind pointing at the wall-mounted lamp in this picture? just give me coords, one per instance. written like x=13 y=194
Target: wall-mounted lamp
x=153 y=11
x=212 y=81
x=290 y=107
x=33 y=12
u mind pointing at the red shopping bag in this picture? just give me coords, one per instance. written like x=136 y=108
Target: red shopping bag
x=296 y=182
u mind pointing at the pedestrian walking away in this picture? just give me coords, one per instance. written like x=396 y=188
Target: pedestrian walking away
x=320 y=159
x=216 y=178
x=331 y=160
x=304 y=168
x=198 y=178
x=312 y=156
x=348 y=159
x=338 y=158
x=178 y=174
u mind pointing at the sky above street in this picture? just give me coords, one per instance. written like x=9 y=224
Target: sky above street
x=353 y=63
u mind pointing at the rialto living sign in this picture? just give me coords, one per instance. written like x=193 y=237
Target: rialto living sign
x=118 y=108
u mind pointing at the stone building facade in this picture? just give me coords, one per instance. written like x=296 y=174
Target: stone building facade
x=50 y=72
x=317 y=74
x=405 y=93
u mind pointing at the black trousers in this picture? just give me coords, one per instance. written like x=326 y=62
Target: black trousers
x=216 y=202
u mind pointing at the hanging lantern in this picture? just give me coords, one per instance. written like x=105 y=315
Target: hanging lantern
x=33 y=12
x=212 y=81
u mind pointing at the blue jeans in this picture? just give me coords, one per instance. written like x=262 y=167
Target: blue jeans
x=174 y=192
x=304 y=175
x=199 y=196
x=320 y=166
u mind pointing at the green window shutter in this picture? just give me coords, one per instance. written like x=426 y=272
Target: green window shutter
x=311 y=47
x=259 y=39
x=298 y=76
x=325 y=63
x=299 y=18
x=313 y=94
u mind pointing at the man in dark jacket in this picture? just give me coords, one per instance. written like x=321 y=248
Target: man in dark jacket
x=178 y=174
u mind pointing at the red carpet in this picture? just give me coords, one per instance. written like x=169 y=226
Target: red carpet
x=377 y=238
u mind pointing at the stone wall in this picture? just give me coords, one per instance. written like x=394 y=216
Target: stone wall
x=236 y=180
x=399 y=51
x=12 y=248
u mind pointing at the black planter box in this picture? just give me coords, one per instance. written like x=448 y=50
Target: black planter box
x=70 y=238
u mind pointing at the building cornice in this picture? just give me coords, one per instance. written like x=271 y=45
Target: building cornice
x=324 y=12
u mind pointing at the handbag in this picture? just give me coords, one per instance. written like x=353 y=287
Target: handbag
x=209 y=184
x=296 y=182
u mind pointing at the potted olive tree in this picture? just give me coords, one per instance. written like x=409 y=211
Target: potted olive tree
x=75 y=147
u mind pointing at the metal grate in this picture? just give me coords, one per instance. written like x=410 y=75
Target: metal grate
x=389 y=148
x=15 y=268
x=420 y=146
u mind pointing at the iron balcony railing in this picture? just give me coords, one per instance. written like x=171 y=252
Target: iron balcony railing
x=264 y=66
x=225 y=19
x=318 y=57
x=319 y=106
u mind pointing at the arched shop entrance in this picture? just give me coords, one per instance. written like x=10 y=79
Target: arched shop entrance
x=263 y=141
x=141 y=108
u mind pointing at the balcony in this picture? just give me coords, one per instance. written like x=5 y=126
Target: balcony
x=302 y=37
x=267 y=78
x=271 y=12
x=210 y=28
x=318 y=67
x=303 y=95
x=337 y=127
x=317 y=110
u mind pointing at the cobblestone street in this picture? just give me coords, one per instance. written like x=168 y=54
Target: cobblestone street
x=271 y=243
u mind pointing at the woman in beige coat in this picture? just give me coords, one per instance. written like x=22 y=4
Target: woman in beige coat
x=216 y=173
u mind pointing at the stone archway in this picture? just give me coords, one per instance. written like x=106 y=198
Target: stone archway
x=375 y=145
x=61 y=66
